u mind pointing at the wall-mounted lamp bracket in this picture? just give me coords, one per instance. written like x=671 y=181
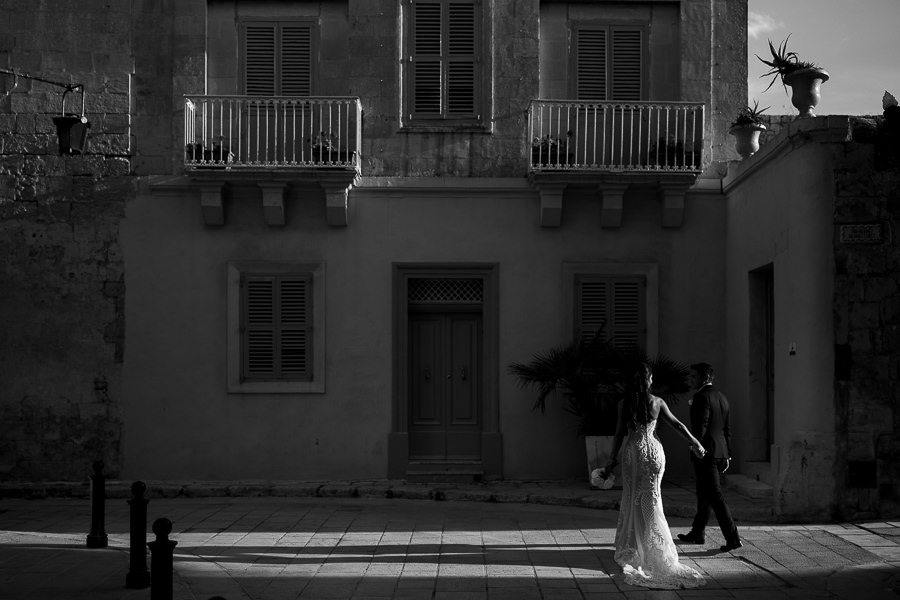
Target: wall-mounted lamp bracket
x=71 y=128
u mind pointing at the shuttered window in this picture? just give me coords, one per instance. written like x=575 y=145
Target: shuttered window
x=444 y=60
x=614 y=304
x=276 y=325
x=277 y=58
x=609 y=63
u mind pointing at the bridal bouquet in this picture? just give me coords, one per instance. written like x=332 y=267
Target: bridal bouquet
x=602 y=479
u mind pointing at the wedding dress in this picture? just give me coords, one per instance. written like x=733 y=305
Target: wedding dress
x=644 y=546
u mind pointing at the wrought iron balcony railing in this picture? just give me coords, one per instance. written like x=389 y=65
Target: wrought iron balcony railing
x=614 y=136
x=272 y=132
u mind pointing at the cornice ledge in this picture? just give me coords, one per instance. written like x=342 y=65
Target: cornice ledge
x=831 y=129
x=373 y=184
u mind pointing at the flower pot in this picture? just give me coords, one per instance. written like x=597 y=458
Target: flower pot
x=805 y=86
x=598 y=448
x=747 y=138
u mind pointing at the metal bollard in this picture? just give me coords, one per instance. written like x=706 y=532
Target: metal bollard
x=138 y=576
x=161 y=560
x=97 y=537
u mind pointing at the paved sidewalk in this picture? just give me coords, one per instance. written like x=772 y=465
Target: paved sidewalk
x=548 y=545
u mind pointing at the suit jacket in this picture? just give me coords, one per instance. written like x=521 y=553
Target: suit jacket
x=709 y=422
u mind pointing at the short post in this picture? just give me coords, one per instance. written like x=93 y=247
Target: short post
x=161 y=561
x=138 y=576
x=97 y=537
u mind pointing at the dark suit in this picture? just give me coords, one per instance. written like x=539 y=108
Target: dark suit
x=709 y=424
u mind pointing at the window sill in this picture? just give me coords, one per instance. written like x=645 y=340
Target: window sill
x=445 y=128
x=276 y=387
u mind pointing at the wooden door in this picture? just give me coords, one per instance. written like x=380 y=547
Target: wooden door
x=445 y=409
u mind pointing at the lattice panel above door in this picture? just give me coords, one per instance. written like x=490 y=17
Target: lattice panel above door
x=441 y=290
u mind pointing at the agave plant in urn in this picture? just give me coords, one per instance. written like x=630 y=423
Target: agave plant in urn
x=804 y=78
x=746 y=128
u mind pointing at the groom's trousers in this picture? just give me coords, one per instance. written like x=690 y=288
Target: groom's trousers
x=709 y=497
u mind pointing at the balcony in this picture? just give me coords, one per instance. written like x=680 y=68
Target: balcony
x=614 y=145
x=286 y=138
x=280 y=132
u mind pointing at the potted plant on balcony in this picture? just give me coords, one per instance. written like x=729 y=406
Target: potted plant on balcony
x=591 y=376
x=550 y=150
x=210 y=156
x=746 y=128
x=804 y=78
x=325 y=149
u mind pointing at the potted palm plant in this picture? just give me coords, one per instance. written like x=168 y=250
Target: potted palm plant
x=746 y=129
x=592 y=375
x=804 y=78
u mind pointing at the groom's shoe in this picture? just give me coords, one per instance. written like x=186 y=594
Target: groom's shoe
x=732 y=545
x=691 y=538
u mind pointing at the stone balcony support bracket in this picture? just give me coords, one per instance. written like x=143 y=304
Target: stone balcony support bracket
x=211 y=205
x=612 y=197
x=273 y=201
x=672 y=200
x=274 y=187
x=336 y=202
x=551 y=193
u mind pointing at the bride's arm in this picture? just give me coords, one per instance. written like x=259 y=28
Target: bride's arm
x=680 y=427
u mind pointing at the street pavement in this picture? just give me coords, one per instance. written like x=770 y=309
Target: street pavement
x=378 y=540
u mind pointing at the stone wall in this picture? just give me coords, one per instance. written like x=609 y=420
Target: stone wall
x=867 y=319
x=61 y=279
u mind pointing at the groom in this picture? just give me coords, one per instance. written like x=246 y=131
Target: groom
x=709 y=424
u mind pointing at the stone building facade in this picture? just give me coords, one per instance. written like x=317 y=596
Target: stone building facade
x=62 y=298
x=121 y=297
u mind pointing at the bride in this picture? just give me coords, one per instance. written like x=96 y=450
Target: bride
x=644 y=546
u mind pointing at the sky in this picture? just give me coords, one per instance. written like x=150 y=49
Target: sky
x=855 y=41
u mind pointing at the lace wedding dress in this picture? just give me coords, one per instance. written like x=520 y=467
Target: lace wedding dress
x=644 y=546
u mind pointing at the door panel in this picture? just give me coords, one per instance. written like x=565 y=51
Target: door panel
x=464 y=430
x=426 y=412
x=445 y=387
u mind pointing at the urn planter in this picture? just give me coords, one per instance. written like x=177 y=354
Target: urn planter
x=747 y=138
x=806 y=89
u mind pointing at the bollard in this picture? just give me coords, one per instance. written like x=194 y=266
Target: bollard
x=97 y=537
x=138 y=576
x=161 y=561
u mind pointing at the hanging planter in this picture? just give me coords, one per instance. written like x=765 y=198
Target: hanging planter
x=804 y=78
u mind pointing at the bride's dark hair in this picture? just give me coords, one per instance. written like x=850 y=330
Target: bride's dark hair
x=638 y=396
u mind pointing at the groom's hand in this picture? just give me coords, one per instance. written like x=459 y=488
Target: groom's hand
x=727 y=464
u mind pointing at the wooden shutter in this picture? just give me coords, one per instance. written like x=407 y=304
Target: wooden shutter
x=590 y=64
x=609 y=63
x=277 y=59
x=626 y=67
x=444 y=57
x=614 y=304
x=461 y=56
x=296 y=60
x=425 y=64
x=276 y=327
x=260 y=72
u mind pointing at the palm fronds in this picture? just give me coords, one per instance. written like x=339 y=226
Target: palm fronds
x=592 y=376
x=783 y=63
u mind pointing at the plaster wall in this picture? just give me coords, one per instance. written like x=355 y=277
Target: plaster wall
x=181 y=423
x=781 y=215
